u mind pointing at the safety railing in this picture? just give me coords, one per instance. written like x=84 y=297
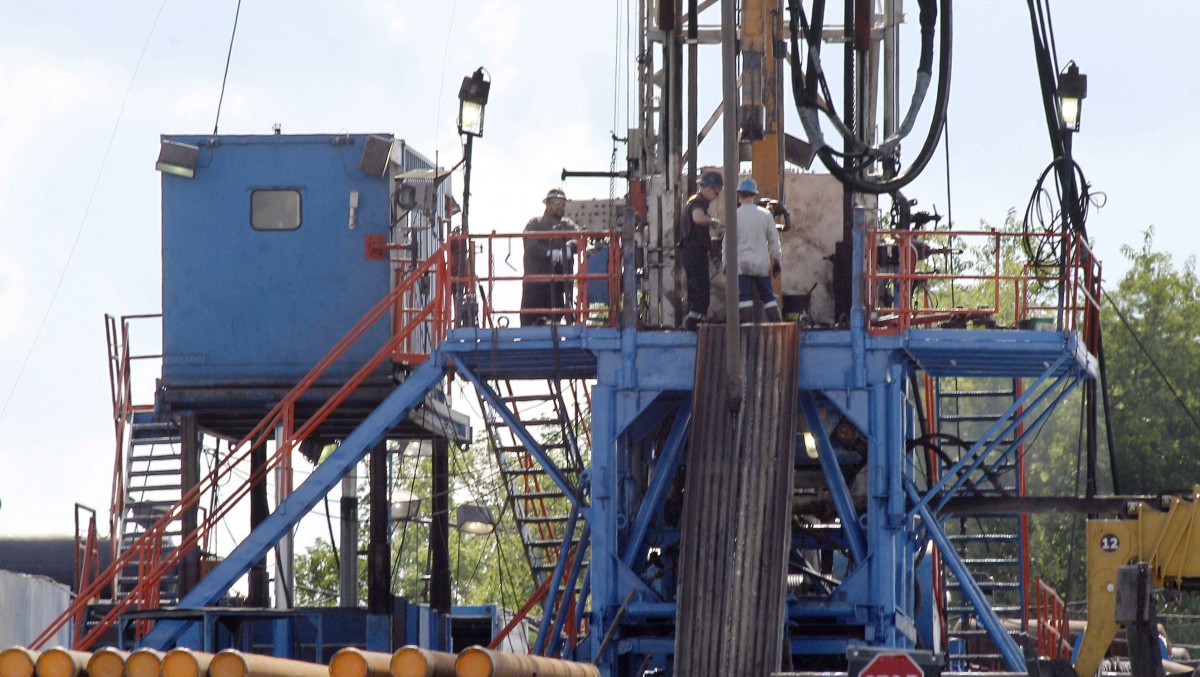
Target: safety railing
x=87 y=559
x=984 y=278
x=120 y=381
x=146 y=551
x=586 y=282
x=1052 y=626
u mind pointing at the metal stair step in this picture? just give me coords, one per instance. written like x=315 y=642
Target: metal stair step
x=135 y=458
x=955 y=394
x=535 y=495
x=547 y=519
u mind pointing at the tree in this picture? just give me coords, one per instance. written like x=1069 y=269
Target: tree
x=484 y=568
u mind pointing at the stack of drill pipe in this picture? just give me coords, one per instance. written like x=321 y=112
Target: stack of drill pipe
x=144 y=663
x=480 y=662
x=234 y=663
x=733 y=548
x=413 y=661
x=184 y=662
x=351 y=662
x=60 y=662
x=18 y=662
x=107 y=662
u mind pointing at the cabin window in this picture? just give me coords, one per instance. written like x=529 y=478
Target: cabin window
x=275 y=209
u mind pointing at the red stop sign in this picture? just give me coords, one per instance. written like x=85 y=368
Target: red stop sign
x=892 y=665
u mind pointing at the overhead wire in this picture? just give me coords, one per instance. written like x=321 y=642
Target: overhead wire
x=83 y=219
x=228 y=58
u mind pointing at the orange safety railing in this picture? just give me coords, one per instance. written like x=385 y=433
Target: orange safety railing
x=1052 y=626
x=87 y=561
x=146 y=550
x=593 y=280
x=120 y=378
x=904 y=287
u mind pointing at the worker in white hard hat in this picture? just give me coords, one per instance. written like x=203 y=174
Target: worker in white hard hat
x=547 y=301
x=695 y=242
x=759 y=255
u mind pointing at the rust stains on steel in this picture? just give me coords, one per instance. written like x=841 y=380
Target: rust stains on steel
x=737 y=500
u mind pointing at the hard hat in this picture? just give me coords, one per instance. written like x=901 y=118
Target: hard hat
x=712 y=180
x=748 y=185
x=555 y=194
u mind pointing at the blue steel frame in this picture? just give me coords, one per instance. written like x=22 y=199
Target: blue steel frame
x=642 y=397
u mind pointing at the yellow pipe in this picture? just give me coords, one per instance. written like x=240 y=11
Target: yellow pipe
x=234 y=663
x=480 y=662
x=107 y=662
x=60 y=662
x=18 y=662
x=351 y=662
x=184 y=662
x=413 y=661
x=144 y=663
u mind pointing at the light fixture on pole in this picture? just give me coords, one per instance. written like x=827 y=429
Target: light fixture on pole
x=475 y=519
x=405 y=507
x=472 y=99
x=1072 y=90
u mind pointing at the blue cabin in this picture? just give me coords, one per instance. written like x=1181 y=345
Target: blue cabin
x=273 y=247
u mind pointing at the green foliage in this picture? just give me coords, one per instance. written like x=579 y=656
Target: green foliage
x=484 y=569
x=1156 y=439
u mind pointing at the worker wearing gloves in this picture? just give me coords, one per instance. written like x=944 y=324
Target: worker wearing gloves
x=759 y=255
x=548 y=256
x=695 y=243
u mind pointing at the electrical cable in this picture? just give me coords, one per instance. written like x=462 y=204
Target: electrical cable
x=228 y=58
x=1154 y=363
x=83 y=219
x=804 y=84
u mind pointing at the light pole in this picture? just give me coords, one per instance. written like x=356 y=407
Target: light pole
x=472 y=100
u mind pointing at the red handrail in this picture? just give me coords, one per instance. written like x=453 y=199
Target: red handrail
x=145 y=550
x=1052 y=628
x=1015 y=290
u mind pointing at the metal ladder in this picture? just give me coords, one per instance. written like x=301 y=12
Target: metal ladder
x=153 y=485
x=994 y=548
x=540 y=508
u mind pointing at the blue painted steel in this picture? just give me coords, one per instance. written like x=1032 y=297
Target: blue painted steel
x=244 y=305
x=1004 y=642
x=842 y=500
x=668 y=464
x=560 y=619
x=549 y=603
x=353 y=449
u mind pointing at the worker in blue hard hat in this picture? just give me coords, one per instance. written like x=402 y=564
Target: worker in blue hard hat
x=547 y=301
x=695 y=242
x=759 y=255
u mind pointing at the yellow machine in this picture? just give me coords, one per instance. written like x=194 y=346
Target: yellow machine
x=1166 y=538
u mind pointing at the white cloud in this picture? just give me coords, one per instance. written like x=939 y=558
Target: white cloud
x=14 y=298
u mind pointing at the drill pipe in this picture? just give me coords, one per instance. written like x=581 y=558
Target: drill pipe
x=143 y=663
x=183 y=662
x=107 y=662
x=352 y=662
x=18 y=662
x=413 y=661
x=234 y=663
x=480 y=662
x=60 y=662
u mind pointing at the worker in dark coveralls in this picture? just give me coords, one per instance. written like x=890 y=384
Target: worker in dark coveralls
x=695 y=244
x=759 y=255
x=548 y=256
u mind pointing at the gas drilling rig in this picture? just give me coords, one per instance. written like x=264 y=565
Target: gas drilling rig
x=754 y=499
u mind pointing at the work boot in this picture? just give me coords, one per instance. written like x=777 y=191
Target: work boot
x=692 y=324
x=746 y=314
x=773 y=314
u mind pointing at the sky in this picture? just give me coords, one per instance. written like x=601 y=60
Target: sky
x=86 y=89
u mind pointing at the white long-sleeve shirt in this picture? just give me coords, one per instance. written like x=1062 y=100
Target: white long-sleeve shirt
x=758 y=241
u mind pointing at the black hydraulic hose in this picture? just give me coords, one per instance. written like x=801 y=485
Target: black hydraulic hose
x=803 y=90
x=1108 y=426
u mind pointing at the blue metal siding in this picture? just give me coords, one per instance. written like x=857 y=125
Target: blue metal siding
x=242 y=306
